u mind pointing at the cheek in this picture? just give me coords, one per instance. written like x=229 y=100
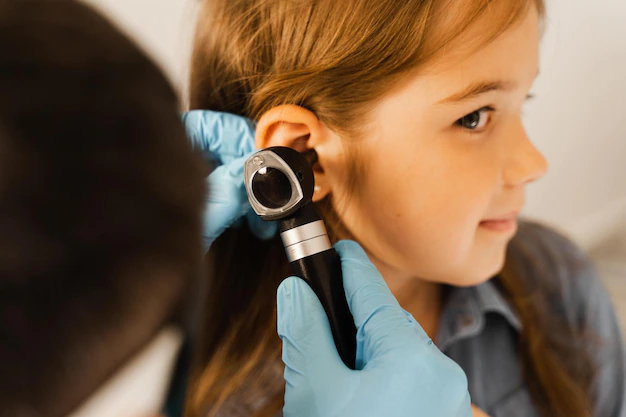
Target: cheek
x=420 y=215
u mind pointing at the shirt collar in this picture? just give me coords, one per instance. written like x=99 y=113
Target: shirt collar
x=465 y=309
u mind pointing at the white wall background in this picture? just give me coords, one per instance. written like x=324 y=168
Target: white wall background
x=164 y=28
x=578 y=119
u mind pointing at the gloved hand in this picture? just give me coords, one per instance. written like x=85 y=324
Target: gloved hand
x=400 y=371
x=226 y=140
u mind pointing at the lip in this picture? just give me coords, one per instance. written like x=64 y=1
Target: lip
x=504 y=217
x=502 y=223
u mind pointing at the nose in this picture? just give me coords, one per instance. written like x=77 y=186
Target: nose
x=525 y=163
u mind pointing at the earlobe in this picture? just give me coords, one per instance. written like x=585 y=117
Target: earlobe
x=319 y=193
x=298 y=128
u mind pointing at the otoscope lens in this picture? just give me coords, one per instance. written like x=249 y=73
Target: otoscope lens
x=271 y=187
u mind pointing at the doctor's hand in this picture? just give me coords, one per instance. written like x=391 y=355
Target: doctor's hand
x=400 y=372
x=226 y=141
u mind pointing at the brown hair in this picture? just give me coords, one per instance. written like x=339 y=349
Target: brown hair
x=101 y=198
x=335 y=58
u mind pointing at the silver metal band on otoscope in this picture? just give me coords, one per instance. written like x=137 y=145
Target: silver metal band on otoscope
x=306 y=240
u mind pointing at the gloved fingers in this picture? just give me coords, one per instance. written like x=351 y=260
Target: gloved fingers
x=309 y=351
x=221 y=137
x=226 y=200
x=383 y=327
x=227 y=140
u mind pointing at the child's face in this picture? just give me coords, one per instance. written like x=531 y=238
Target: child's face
x=431 y=177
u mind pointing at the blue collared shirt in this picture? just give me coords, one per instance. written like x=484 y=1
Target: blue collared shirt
x=481 y=332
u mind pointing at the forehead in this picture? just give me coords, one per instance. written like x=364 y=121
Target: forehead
x=512 y=57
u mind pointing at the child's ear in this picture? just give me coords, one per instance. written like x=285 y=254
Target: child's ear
x=298 y=128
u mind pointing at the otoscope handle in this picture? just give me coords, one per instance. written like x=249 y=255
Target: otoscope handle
x=322 y=272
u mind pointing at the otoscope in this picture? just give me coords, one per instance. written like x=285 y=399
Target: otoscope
x=280 y=185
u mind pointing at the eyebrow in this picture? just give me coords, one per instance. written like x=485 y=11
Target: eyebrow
x=477 y=89
x=482 y=87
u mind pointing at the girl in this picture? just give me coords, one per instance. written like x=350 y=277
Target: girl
x=414 y=108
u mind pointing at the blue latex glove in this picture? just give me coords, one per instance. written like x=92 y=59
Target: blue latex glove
x=226 y=140
x=401 y=372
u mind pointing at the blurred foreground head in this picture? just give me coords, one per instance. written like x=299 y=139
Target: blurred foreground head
x=100 y=201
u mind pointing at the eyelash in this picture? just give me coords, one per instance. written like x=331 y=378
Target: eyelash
x=485 y=111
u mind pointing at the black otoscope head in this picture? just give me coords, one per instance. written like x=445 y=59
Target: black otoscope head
x=280 y=186
x=279 y=181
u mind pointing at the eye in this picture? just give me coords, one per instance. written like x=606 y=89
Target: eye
x=476 y=120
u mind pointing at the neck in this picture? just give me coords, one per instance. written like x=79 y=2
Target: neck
x=419 y=297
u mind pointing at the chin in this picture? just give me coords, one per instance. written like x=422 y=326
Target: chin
x=491 y=271
x=477 y=273
x=472 y=281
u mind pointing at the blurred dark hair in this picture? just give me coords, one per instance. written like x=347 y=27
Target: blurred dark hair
x=100 y=204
